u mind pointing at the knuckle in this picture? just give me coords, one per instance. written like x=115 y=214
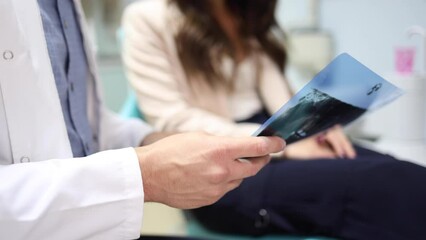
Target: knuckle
x=261 y=148
x=219 y=176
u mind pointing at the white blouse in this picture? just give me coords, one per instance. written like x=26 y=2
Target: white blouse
x=244 y=100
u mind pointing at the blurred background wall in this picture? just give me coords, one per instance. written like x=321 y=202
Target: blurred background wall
x=370 y=30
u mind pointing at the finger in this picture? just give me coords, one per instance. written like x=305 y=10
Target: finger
x=224 y=189
x=233 y=184
x=347 y=146
x=248 y=147
x=324 y=150
x=321 y=137
x=335 y=144
x=326 y=153
x=243 y=168
x=345 y=143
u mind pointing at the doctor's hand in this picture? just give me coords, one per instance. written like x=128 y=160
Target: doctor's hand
x=331 y=144
x=195 y=169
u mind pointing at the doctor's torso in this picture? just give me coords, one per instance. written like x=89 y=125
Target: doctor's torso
x=32 y=125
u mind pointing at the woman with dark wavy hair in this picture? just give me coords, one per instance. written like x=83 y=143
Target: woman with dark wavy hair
x=213 y=30
x=218 y=66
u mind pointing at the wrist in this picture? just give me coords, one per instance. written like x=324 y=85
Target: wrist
x=141 y=153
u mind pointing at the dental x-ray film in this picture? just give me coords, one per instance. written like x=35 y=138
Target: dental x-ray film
x=339 y=94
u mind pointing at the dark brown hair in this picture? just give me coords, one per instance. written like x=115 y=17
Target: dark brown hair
x=200 y=33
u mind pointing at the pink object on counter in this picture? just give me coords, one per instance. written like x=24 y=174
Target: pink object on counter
x=404 y=60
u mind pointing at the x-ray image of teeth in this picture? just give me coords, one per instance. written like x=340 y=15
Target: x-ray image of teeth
x=315 y=112
x=339 y=94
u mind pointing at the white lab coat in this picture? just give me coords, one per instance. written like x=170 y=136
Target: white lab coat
x=44 y=193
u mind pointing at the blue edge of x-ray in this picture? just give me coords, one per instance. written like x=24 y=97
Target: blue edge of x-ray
x=343 y=91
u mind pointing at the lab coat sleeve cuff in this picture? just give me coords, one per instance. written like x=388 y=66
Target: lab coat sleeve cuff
x=134 y=190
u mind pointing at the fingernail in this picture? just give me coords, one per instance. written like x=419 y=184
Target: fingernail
x=270 y=139
x=283 y=143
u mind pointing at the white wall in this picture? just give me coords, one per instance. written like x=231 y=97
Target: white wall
x=370 y=29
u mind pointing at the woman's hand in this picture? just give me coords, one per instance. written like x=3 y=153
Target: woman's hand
x=331 y=144
x=338 y=142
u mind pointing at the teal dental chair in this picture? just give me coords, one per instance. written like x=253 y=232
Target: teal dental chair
x=130 y=107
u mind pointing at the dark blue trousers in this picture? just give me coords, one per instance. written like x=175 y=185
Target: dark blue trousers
x=372 y=197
